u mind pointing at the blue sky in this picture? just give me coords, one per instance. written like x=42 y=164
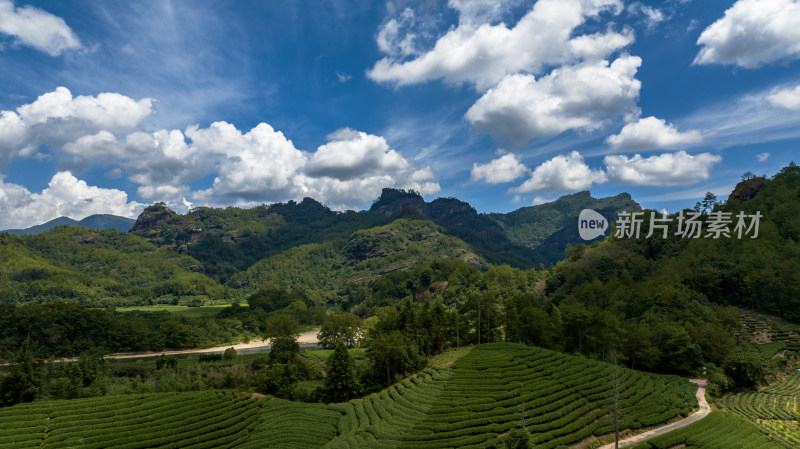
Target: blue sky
x=110 y=106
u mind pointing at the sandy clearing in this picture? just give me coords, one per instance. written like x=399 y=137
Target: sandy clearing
x=309 y=337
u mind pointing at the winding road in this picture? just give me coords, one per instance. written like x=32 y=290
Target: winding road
x=705 y=409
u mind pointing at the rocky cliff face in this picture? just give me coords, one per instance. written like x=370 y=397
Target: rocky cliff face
x=396 y=203
x=152 y=218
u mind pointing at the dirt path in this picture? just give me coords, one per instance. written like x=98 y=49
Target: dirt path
x=308 y=337
x=694 y=417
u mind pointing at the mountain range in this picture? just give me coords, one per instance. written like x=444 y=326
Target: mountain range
x=97 y=221
x=223 y=253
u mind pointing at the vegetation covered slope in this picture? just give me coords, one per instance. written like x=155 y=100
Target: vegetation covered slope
x=557 y=398
x=201 y=419
x=719 y=430
x=322 y=271
x=227 y=241
x=96 y=268
x=775 y=409
x=554 y=225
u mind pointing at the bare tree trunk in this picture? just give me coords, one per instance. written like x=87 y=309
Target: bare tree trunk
x=458 y=339
x=479 y=322
x=615 y=386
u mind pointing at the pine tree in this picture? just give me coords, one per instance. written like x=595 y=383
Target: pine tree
x=341 y=383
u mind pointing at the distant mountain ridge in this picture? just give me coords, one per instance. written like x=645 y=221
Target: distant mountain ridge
x=97 y=221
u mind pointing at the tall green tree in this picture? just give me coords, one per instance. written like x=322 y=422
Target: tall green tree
x=341 y=383
x=24 y=380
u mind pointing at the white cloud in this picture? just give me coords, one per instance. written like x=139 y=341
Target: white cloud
x=753 y=33
x=537 y=200
x=110 y=111
x=749 y=119
x=571 y=97
x=37 y=28
x=253 y=167
x=762 y=157
x=260 y=165
x=82 y=126
x=504 y=169
x=652 y=16
x=65 y=196
x=482 y=54
x=263 y=166
x=353 y=167
x=394 y=37
x=350 y=154
x=561 y=174
x=479 y=11
x=788 y=98
x=651 y=132
x=668 y=169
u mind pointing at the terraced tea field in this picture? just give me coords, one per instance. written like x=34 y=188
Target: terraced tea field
x=771 y=334
x=719 y=430
x=560 y=399
x=776 y=409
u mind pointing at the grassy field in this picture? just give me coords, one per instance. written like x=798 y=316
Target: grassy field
x=202 y=310
x=474 y=401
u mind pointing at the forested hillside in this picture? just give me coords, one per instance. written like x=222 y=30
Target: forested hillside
x=97 y=269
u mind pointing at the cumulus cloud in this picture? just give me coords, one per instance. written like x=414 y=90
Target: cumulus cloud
x=248 y=167
x=571 y=97
x=668 y=169
x=37 y=28
x=263 y=166
x=561 y=174
x=482 y=54
x=58 y=119
x=753 y=33
x=260 y=165
x=651 y=132
x=64 y=196
x=504 y=169
x=353 y=167
x=788 y=98
x=350 y=154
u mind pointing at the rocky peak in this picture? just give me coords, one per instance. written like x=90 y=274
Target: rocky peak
x=399 y=203
x=152 y=218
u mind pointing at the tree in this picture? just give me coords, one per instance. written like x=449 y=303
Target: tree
x=707 y=204
x=283 y=350
x=281 y=326
x=341 y=383
x=744 y=367
x=339 y=326
x=229 y=354
x=391 y=354
x=519 y=439
x=24 y=381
